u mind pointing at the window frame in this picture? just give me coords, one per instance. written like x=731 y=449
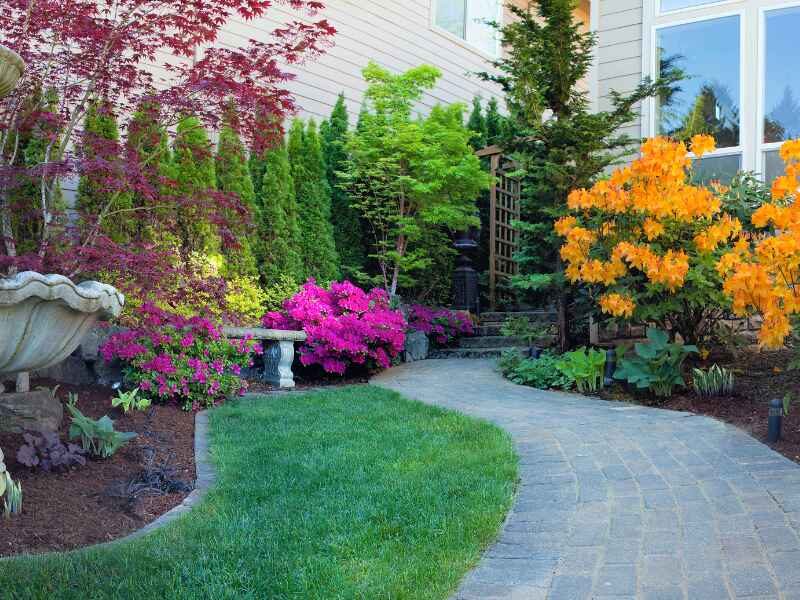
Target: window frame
x=661 y=12
x=463 y=41
x=763 y=147
x=752 y=15
x=653 y=71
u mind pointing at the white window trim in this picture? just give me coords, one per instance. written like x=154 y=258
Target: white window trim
x=677 y=11
x=463 y=42
x=649 y=126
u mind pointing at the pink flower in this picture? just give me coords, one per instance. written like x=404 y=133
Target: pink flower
x=187 y=340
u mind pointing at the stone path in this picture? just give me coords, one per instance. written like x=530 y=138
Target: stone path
x=620 y=501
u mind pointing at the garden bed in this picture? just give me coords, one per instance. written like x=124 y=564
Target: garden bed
x=94 y=503
x=760 y=377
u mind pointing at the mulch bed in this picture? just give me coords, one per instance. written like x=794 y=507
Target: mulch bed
x=760 y=377
x=95 y=503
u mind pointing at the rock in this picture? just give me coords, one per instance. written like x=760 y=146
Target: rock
x=107 y=373
x=73 y=370
x=97 y=336
x=39 y=410
x=417 y=346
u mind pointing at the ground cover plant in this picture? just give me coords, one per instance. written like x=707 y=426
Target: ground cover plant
x=349 y=493
x=443 y=326
x=542 y=373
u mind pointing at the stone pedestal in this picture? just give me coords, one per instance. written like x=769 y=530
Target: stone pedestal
x=278 y=359
x=39 y=410
x=416 y=347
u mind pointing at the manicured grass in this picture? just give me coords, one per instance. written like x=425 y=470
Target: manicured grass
x=350 y=493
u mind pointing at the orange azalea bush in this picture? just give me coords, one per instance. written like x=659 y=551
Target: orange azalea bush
x=762 y=275
x=648 y=240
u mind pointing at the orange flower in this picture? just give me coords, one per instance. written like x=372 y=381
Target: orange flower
x=702 y=144
x=617 y=305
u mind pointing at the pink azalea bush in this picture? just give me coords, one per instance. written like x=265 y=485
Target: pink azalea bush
x=345 y=326
x=171 y=357
x=442 y=326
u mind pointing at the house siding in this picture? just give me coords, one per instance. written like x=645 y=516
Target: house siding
x=398 y=36
x=619 y=54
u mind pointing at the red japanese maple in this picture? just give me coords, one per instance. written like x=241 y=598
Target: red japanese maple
x=129 y=54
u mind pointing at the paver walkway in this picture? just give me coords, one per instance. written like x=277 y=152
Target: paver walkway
x=621 y=501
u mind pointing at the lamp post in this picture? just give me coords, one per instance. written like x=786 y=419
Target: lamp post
x=11 y=69
x=465 y=278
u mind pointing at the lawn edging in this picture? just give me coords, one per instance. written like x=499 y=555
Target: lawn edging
x=206 y=476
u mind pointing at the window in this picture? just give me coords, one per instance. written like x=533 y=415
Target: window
x=470 y=20
x=707 y=100
x=742 y=85
x=780 y=118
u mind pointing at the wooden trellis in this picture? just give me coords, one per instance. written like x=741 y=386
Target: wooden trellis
x=504 y=209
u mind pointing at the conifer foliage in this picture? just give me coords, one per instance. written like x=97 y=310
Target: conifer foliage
x=317 y=246
x=99 y=190
x=347 y=226
x=195 y=177
x=277 y=232
x=233 y=177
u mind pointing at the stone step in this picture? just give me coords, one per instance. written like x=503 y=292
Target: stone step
x=473 y=352
x=491 y=341
x=491 y=318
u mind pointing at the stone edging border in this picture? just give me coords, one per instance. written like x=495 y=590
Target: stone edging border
x=206 y=477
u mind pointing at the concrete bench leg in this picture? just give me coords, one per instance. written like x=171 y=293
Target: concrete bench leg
x=278 y=359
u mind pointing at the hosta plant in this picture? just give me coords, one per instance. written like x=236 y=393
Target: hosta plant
x=45 y=451
x=541 y=373
x=716 y=381
x=13 y=501
x=585 y=367
x=130 y=400
x=97 y=436
x=656 y=365
x=7 y=486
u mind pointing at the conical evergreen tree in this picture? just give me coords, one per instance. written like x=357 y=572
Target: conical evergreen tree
x=147 y=146
x=278 y=239
x=99 y=192
x=347 y=227
x=477 y=124
x=317 y=246
x=194 y=173
x=494 y=123
x=233 y=176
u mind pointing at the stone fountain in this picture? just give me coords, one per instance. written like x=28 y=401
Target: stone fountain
x=43 y=319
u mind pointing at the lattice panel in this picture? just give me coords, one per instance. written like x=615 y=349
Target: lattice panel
x=504 y=210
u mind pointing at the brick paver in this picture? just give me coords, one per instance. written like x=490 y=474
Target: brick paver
x=621 y=501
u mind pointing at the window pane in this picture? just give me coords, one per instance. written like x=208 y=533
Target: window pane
x=451 y=15
x=782 y=79
x=773 y=165
x=707 y=100
x=717 y=168
x=479 y=33
x=668 y=5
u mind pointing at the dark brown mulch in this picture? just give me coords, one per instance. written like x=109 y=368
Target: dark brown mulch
x=760 y=377
x=94 y=503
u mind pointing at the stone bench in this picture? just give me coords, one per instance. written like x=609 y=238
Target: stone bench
x=278 y=351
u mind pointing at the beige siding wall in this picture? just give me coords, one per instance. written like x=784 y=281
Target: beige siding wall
x=397 y=35
x=619 y=30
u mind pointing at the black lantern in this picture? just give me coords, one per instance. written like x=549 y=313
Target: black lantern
x=465 y=278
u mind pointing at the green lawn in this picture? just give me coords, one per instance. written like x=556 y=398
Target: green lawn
x=350 y=493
